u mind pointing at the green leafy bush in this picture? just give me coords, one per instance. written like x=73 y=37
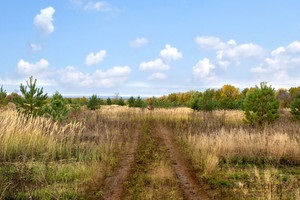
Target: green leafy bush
x=261 y=106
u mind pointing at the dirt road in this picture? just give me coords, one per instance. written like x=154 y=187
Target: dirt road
x=189 y=185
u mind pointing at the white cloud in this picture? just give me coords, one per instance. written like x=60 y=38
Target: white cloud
x=278 y=51
x=203 y=69
x=95 y=58
x=28 y=69
x=258 y=70
x=139 y=42
x=241 y=52
x=35 y=47
x=44 y=20
x=294 y=47
x=157 y=76
x=157 y=65
x=101 y=6
x=210 y=43
x=170 y=53
x=99 y=79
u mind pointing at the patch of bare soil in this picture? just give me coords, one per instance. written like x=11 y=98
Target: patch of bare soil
x=114 y=185
x=190 y=185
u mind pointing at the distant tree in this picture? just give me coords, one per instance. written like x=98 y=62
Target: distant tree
x=206 y=102
x=121 y=102
x=229 y=97
x=33 y=101
x=293 y=91
x=295 y=107
x=131 y=101
x=261 y=106
x=3 y=99
x=139 y=103
x=108 y=101
x=284 y=97
x=58 y=109
x=93 y=103
x=13 y=97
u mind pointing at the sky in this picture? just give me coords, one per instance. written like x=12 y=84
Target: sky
x=148 y=48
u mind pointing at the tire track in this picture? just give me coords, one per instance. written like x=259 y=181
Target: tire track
x=114 y=185
x=190 y=185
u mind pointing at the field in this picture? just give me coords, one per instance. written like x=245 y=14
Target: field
x=131 y=153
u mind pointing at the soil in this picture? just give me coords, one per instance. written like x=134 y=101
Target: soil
x=190 y=186
x=115 y=184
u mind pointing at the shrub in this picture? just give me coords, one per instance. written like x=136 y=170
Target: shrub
x=206 y=102
x=131 y=101
x=33 y=101
x=58 y=109
x=295 y=107
x=93 y=103
x=3 y=99
x=261 y=106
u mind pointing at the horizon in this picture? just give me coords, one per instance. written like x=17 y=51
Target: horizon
x=83 y=47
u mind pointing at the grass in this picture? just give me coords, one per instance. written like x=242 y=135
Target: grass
x=152 y=176
x=239 y=161
x=42 y=159
x=45 y=160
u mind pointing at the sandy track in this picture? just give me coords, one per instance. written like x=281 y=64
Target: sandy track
x=191 y=187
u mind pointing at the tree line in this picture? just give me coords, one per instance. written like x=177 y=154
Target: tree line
x=261 y=99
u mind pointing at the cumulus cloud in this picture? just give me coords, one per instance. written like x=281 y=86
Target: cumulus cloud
x=139 y=42
x=157 y=76
x=170 y=53
x=210 y=43
x=95 y=58
x=156 y=65
x=281 y=64
x=240 y=52
x=106 y=79
x=44 y=20
x=203 y=69
x=230 y=53
x=27 y=69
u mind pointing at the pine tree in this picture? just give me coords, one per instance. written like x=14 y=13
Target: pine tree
x=33 y=99
x=58 y=109
x=93 y=103
x=261 y=106
x=131 y=101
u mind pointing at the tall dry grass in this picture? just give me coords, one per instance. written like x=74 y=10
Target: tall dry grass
x=43 y=159
x=225 y=150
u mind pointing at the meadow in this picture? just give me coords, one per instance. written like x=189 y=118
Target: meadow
x=118 y=152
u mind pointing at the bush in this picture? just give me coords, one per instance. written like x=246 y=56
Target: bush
x=58 y=109
x=93 y=103
x=3 y=99
x=261 y=106
x=295 y=107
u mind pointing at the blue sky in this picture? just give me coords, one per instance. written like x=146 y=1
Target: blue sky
x=84 y=47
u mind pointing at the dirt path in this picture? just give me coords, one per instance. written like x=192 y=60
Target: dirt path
x=190 y=186
x=114 y=184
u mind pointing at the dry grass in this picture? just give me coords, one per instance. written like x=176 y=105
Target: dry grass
x=219 y=142
x=43 y=159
